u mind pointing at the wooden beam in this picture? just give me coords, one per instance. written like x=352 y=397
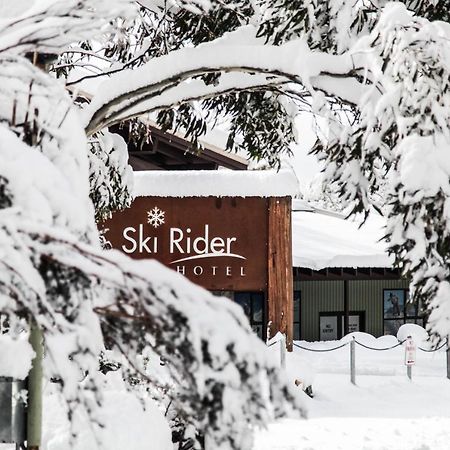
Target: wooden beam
x=337 y=271
x=141 y=164
x=360 y=273
x=365 y=271
x=350 y=271
x=163 y=143
x=280 y=280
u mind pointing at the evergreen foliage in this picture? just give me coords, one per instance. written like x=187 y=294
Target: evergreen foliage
x=377 y=72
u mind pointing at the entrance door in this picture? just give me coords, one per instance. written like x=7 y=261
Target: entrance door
x=331 y=324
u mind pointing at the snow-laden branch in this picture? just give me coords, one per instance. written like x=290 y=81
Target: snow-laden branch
x=190 y=91
x=49 y=25
x=293 y=62
x=205 y=340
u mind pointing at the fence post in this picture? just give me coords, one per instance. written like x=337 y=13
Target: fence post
x=34 y=409
x=282 y=342
x=448 y=359
x=410 y=356
x=352 y=361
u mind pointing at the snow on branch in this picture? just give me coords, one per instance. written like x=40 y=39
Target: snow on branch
x=190 y=90
x=293 y=62
x=227 y=380
x=37 y=26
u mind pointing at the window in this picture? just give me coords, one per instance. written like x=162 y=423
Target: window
x=253 y=305
x=398 y=309
x=296 y=326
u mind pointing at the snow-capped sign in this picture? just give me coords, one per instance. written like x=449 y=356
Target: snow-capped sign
x=410 y=352
x=219 y=243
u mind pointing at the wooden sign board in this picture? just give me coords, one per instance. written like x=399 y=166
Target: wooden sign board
x=218 y=243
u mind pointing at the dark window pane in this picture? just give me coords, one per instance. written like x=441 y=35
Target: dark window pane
x=240 y=296
x=258 y=329
x=258 y=308
x=243 y=299
x=296 y=306
x=296 y=331
x=392 y=326
x=411 y=309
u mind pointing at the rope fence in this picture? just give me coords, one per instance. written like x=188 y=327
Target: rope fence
x=435 y=349
x=365 y=346
x=320 y=350
x=352 y=343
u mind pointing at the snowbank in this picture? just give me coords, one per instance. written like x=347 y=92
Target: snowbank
x=128 y=423
x=419 y=335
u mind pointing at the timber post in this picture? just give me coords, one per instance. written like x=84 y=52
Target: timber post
x=280 y=278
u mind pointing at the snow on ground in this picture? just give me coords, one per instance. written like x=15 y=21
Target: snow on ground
x=384 y=411
x=127 y=424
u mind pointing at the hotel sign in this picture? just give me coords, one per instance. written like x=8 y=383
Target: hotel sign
x=218 y=243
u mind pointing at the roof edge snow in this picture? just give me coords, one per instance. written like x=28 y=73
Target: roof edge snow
x=216 y=183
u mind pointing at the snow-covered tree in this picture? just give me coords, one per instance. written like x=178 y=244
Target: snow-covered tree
x=377 y=71
x=55 y=275
x=383 y=66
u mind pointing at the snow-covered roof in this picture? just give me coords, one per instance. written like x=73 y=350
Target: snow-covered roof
x=321 y=239
x=215 y=183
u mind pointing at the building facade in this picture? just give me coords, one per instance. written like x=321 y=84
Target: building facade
x=227 y=231
x=343 y=279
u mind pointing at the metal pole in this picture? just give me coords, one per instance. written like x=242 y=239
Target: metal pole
x=448 y=359
x=409 y=372
x=34 y=409
x=352 y=362
x=283 y=352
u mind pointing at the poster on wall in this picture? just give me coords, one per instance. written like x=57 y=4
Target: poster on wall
x=328 y=328
x=393 y=303
x=353 y=323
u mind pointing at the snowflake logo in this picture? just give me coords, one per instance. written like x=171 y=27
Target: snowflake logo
x=155 y=217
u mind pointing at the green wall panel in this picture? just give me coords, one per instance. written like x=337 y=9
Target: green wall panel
x=327 y=296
